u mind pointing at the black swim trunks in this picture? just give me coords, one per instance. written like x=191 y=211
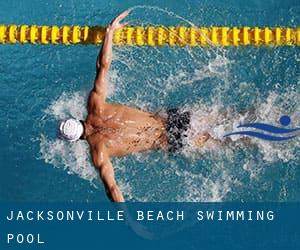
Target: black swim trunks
x=177 y=125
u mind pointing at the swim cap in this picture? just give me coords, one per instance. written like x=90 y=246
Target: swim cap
x=70 y=129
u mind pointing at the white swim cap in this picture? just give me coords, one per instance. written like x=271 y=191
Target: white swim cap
x=70 y=130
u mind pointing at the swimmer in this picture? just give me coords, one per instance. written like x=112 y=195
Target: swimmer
x=114 y=130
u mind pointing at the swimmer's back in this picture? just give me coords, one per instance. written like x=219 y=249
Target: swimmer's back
x=126 y=130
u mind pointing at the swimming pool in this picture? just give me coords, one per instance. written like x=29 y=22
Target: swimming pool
x=42 y=84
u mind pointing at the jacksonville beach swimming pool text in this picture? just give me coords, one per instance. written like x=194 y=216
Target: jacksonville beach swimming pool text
x=150 y=215
x=115 y=216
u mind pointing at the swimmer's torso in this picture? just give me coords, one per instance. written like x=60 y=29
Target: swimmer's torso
x=124 y=130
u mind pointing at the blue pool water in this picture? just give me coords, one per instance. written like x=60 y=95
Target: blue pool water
x=42 y=84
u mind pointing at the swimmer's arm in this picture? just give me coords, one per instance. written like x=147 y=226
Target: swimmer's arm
x=105 y=56
x=103 y=164
x=103 y=64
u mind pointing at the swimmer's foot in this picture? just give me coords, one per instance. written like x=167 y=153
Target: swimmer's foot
x=200 y=140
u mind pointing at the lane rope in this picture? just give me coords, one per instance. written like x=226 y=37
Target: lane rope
x=152 y=35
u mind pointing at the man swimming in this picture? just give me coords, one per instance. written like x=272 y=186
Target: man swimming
x=117 y=130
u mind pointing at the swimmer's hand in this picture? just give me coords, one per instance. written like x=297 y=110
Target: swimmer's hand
x=115 y=24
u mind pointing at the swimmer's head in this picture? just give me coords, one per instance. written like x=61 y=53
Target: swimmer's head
x=70 y=130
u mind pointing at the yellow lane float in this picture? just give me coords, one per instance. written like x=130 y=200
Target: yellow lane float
x=152 y=35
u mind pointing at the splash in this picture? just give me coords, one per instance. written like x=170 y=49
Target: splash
x=73 y=158
x=218 y=120
x=68 y=105
x=192 y=185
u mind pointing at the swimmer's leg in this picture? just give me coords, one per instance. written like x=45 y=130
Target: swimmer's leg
x=200 y=140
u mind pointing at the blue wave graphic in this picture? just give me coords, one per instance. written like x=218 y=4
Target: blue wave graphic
x=262 y=136
x=284 y=121
x=269 y=128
